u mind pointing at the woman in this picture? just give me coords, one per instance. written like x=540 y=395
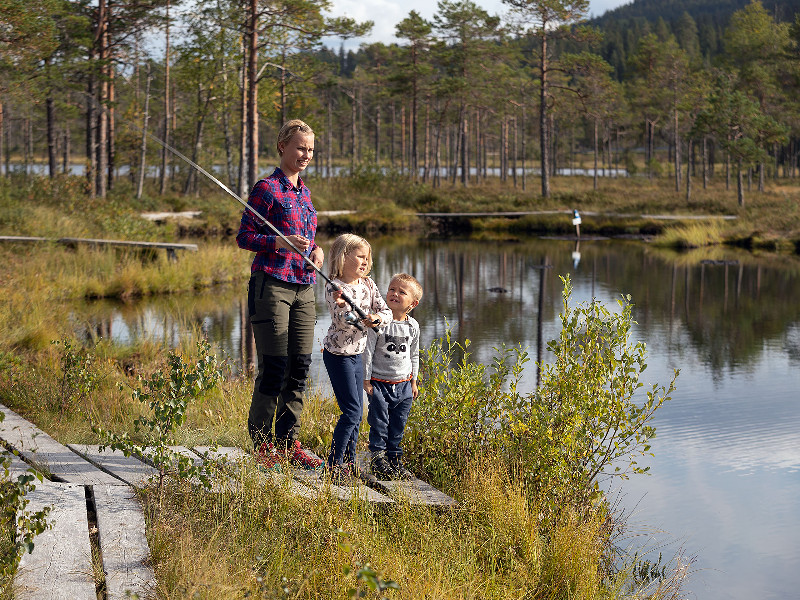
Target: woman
x=281 y=300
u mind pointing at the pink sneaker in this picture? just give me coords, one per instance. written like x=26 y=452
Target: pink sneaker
x=299 y=457
x=267 y=458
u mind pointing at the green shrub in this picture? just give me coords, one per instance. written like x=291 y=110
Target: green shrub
x=581 y=424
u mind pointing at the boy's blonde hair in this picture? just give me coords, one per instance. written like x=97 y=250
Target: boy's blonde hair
x=342 y=246
x=288 y=130
x=411 y=281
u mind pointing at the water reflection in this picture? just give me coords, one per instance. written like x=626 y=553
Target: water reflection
x=726 y=471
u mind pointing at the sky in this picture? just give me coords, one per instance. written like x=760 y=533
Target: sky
x=387 y=13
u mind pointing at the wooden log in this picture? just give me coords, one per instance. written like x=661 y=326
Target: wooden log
x=60 y=565
x=47 y=455
x=123 y=543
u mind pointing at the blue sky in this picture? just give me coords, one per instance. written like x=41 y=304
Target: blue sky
x=387 y=13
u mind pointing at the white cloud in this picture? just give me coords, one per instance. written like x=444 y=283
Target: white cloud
x=385 y=14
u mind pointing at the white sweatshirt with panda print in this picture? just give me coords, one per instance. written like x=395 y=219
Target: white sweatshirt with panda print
x=392 y=352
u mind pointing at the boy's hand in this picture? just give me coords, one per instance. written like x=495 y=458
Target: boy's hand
x=414 y=389
x=368 y=388
x=372 y=321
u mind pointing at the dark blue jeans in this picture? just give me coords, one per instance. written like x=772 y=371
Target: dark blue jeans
x=387 y=414
x=347 y=379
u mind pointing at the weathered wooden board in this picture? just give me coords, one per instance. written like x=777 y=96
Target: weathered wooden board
x=316 y=480
x=129 y=469
x=231 y=457
x=61 y=563
x=123 y=544
x=414 y=491
x=18 y=467
x=47 y=454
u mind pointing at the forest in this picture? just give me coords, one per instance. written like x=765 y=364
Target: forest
x=464 y=96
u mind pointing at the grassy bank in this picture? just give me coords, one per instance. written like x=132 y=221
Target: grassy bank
x=528 y=524
x=383 y=204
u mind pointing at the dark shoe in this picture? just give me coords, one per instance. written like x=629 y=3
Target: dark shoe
x=400 y=471
x=340 y=475
x=267 y=458
x=381 y=467
x=364 y=476
x=295 y=454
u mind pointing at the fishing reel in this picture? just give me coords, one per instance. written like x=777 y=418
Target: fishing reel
x=351 y=318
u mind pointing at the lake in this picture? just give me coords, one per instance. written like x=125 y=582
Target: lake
x=725 y=482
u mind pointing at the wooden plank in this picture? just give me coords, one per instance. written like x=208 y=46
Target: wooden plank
x=232 y=457
x=316 y=480
x=129 y=469
x=60 y=565
x=123 y=543
x=39 y=449
x=414 y=491
x=168 y=245
x=18 y=467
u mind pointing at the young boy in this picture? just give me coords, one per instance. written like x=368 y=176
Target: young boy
x=391 y=366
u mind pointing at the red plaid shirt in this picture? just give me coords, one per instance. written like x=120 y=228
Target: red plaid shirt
x=290 y=210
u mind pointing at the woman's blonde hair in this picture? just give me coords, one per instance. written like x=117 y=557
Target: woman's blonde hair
x=341 y=247
x=288 y=130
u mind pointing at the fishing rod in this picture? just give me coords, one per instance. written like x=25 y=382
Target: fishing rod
x=353 y=317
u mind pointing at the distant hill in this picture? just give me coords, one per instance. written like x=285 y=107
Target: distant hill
x=671 y=10
x=698 y=25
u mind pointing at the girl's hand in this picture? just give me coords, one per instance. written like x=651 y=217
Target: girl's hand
x=372 y=320
x=337 y=296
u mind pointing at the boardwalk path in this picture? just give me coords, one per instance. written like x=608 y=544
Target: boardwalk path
x=95 y=508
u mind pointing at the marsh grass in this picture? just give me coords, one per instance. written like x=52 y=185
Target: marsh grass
x=256 y=540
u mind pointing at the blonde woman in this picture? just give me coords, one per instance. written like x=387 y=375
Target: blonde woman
x=281 y=300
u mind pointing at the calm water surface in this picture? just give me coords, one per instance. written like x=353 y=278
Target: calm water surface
x=725 y=483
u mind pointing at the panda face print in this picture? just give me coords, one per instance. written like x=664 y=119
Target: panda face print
x=395 y=344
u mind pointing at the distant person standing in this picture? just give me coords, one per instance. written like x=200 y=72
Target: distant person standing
x=280 y=299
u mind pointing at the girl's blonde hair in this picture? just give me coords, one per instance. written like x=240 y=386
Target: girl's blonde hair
x=288 y=130
x=342 y=246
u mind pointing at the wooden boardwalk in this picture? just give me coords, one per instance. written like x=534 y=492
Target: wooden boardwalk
x=171 y=248
x=95 y=511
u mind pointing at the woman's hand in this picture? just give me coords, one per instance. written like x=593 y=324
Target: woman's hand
x=300 y=243
x=317 y=257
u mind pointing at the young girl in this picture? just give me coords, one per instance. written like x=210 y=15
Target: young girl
x=350 y=264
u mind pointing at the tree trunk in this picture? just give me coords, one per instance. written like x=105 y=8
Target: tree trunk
x=543 y=119
x=52 y=162
x=112 y=138
x=463 y=139
x=162 y=188
x=524 y=149
x=688 y=171
x=740 y=184
x=243 y=144
x=143 y=147
x=67 y=149
x=252 y=95
x=353 y=133
x=594 y=178
x=3 y=139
